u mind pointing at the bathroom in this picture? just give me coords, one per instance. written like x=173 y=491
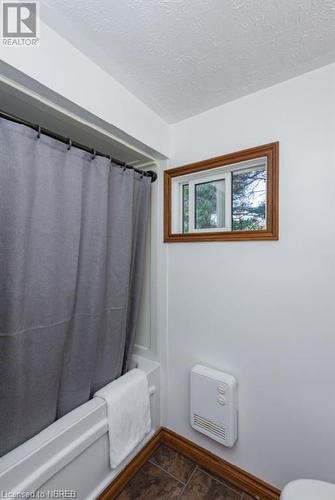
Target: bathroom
x=167 y=249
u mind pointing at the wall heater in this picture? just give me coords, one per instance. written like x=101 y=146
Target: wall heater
x=214 y=404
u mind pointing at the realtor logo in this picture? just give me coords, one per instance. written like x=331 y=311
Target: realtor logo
x=20 y=24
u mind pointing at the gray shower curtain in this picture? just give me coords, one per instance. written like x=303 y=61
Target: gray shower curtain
x=72 y=242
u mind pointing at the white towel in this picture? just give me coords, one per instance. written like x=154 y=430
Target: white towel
x=128 y=413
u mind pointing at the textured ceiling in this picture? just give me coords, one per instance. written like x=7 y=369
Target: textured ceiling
x=182 y=57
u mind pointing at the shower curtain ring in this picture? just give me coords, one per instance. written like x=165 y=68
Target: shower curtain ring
x=142 y=175
x=39 y=131
x=94 y=154
x=70 y=145
x=124 y=167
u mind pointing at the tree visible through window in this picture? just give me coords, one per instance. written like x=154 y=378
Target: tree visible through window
x=209 y=204
x=249 y=200
x=185 y=208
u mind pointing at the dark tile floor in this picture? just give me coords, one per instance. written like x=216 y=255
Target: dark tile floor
x=169 y=475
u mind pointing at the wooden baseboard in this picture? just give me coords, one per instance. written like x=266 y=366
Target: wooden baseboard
x=225 y=470
x=212 y=463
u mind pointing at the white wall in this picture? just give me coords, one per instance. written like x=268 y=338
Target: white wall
x=264 y=311
x=60 y=67
x=151 y=341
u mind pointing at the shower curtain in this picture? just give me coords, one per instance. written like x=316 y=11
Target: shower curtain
x=72 y=243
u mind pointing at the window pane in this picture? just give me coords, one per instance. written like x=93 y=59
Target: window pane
x=249 y=200
x=185 y=208
x=209 y=205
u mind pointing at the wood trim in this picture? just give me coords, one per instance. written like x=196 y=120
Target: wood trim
x=225 y=470
x=271 y=151
x=214 y=464
x=116 y=486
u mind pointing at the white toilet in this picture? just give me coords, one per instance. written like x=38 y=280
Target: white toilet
x=308 y=489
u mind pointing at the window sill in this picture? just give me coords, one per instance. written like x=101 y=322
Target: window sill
x=222 y=236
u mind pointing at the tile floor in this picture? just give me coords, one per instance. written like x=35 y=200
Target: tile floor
x=170 y=475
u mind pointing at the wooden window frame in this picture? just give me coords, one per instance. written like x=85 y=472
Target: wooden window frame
x=271 y=152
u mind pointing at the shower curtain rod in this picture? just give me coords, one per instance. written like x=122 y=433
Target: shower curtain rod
x=66 y=140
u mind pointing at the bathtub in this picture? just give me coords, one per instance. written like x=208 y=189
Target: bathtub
x=70 y=458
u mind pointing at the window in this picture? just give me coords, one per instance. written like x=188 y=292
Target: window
x=249 y=199
x=232 y=197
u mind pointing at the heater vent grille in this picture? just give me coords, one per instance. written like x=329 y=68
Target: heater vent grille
x=209 y=426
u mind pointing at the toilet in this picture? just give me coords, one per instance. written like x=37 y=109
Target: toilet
x=308 y=489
